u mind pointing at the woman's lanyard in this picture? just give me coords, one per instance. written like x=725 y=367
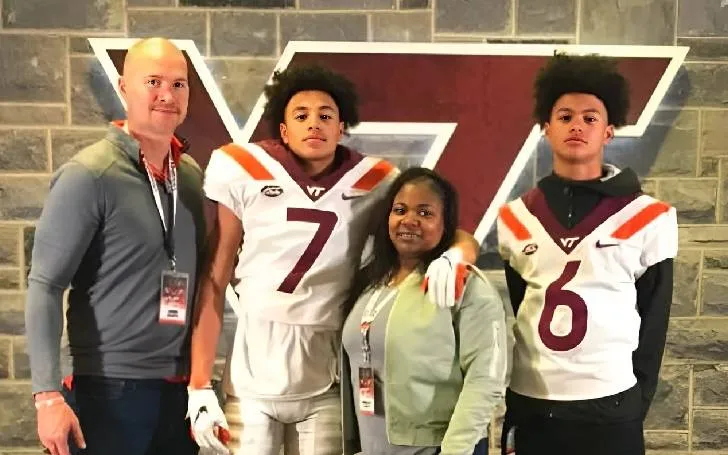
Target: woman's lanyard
x=371 y=310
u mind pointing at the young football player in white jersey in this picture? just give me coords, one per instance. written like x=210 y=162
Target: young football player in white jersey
x=589 y=268
x=300 y=205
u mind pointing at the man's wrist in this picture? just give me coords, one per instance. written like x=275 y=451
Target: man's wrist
x=47 y=395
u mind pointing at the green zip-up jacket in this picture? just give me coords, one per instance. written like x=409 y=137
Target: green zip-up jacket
x=444 y=370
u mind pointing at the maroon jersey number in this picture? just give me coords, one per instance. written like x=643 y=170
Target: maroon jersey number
x=326 y=221
x=556 y=295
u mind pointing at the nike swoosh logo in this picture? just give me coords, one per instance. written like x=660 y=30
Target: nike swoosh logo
x=353 y=196
x=605 y=245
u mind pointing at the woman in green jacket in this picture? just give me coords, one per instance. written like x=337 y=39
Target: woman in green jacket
x=418 y=379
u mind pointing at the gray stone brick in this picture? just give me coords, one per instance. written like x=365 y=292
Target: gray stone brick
x=12 y=315
x=694 y=200
x=709 y=167
x=80 y=44
x=702 y=18
x=241 y=3
x=133 y=3
x=93 y=100
x=697 y=340
x=5 y=356
x=711 y=385
x=21 y=361
x=409 y=27
x=473 y=16
x=715 y=260
x=76 y=14
x=348 y=4
x=23 y=150
x=9 y=279
x=665 y=443
x=714 y=134
x=34 y=68
x=67 y=142
x=241 y=83
x=170 y=24
x=414 y=4
x=710 y=431
x=669 y=410
x=650 y=186
x=685 y=289
x=13 y=114
x=703 y=236
x=9 y=238
x=323 y=27
x=21 y=198
x=705 y=48
x=18 y=428
x=715 y=294
x=708 y=84
x=546 y=16
x=243 y=33
x=624 y=22
x=674 y=134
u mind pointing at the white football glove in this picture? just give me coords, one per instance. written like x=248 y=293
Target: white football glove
x=209 y=427
x=445 y=278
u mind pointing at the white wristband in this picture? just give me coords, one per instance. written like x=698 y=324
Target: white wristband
x=49 y=402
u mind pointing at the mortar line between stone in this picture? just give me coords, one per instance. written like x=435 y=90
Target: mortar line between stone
x=370 y=27
x=208 y=33
x=577 y=30
x=49 y=150
x=278 y=35
x=691 y=406
x=433 y=4
x=699 y=293
x=675 y=25
x=514 y=8
x=719 y=194
x=11 y=358
x=698 y=150
x=125 y=24
x=69 y=114
x=21 y=251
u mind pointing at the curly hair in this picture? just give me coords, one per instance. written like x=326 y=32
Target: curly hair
x=309 y=77
x=384 y=259
x=590 y=74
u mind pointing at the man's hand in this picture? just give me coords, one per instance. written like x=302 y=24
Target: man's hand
x=209 y=427
x=56 y=421
x=445 y=278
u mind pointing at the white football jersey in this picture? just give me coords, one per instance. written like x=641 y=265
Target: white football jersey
x=578 y=324
x=302 y=241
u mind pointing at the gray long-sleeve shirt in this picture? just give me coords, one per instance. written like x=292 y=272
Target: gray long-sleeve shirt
x=100 y=232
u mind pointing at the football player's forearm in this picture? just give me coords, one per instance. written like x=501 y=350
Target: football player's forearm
x=468 y=245
x=205 y=332
x=654 y=291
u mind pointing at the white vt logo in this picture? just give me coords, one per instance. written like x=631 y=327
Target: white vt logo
x=568 y=242
x=315 y=191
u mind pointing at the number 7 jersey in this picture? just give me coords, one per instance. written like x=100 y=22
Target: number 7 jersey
x=302 y=238
x=578 y=324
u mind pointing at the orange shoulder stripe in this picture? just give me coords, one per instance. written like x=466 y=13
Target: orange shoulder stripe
x=373 y=176
x=247 y=161
x=640 y=220
x=513 y=224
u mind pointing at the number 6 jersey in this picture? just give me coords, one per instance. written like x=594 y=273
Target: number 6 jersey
x=578 y=325
x=302 y=241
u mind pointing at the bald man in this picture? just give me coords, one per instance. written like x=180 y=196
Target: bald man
x=123 y=228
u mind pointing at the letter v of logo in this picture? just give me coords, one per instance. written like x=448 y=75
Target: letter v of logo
x=475 y=100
